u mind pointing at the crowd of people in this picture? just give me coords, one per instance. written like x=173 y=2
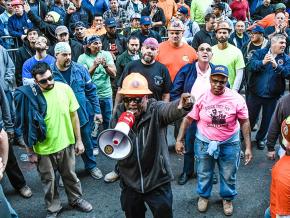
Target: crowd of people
x=215 y=70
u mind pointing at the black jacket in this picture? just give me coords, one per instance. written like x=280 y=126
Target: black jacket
x=148 y=167
x=76 y=49
x=22 y=54
x=48 y=29
x=120 y=43
x=203 y=36
x=31 y=109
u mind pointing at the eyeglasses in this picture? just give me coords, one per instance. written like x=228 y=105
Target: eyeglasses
x=222 y=82
x=204 y=49
x=136 y=100
x=44 y=81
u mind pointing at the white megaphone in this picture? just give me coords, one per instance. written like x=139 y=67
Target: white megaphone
x=115 y=143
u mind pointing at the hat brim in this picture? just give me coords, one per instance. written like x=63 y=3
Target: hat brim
x=223 y=28
x=219 y=73
x=135 y=92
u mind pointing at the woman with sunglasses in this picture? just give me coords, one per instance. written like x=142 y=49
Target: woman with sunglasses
x=220 y=114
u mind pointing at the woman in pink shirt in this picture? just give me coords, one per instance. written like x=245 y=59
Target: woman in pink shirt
x=220 y=113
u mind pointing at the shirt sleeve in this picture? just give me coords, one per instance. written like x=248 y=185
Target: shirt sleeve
x=194 y=113
x=242 y=109
x=73 y=102
x=240 y=63
x=82 y=61
x=109 y=59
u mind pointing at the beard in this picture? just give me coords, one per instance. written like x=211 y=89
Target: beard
x=147 y=58
x=222 y=40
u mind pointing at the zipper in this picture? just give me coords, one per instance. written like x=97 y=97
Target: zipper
x=139 y=164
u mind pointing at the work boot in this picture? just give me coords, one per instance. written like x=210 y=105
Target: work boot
x=202 y=204
x=82 y=205
x=228 y=207
x=111 y=177
x=96 y=173
x=25 y=192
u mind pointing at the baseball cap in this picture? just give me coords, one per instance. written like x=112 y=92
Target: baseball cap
x=92 y=39
x=280 y=6
x=151 y=42
x=183 y=10
x=175 y=24
x=145 y=20
x=61 y=29
x=136 y=16
x=220 y=6
x=110 y=22
x=220 y=70
x=258 y=29
x=79 y=24
x=16 y=2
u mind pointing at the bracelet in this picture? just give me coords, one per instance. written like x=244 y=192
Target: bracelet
x=105 y=66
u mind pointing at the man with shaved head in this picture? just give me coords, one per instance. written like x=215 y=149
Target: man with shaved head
x=192 y=78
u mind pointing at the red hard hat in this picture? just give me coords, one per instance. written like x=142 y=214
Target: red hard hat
x=16 y=2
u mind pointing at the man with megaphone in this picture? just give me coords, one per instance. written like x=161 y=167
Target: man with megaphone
x=145 y=174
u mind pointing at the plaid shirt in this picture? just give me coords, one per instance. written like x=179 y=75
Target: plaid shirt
x=120 y=17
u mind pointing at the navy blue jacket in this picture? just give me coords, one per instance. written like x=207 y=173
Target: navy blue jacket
x=264 y=81
x=184 y=80
x=17 y=25
x=84 y=89
x=31 y=109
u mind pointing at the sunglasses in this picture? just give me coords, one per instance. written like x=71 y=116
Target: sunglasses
x=44 y=81
x=136 y=100
x=204 y=49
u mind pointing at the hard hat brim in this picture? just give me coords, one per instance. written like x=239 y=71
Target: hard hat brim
x=135 y=92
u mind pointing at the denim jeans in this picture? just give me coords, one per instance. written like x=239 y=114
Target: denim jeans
x=228 y=162
x=88 y=156
x=6 y=211
x=188 y=165
x=106 y=105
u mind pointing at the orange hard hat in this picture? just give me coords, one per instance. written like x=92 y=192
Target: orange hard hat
x=285 y=130
x=135 y=84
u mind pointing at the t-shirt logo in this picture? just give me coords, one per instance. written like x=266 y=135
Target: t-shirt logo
x=158 y=80
x=217 y=117
x=185 y=58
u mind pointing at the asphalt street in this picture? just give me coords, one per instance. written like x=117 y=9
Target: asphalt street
x=252 y=199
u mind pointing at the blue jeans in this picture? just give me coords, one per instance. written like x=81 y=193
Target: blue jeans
x=88 y=156
x=106 y=105
x=6 y=211
x=228 y=162
x=188 y=165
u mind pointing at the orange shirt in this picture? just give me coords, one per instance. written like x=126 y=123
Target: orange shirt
x=269 y=20
x=175 y=58
x=169 y=7
x=280 y=188
x=92 y=31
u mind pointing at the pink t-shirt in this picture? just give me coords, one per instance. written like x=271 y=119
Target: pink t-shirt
x=217 y=115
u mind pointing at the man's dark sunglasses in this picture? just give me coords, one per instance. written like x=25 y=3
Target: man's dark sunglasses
x=44 y=81
x=136 y=100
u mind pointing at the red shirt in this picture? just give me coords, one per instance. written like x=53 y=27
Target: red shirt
x=240 y=9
